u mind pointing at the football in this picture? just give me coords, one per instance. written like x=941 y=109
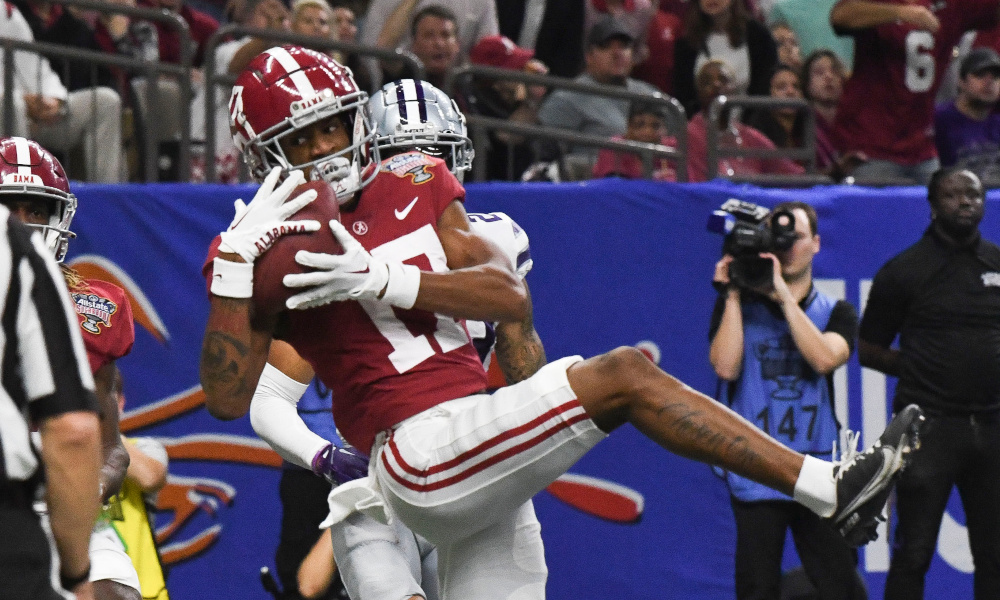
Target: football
x=269 y=293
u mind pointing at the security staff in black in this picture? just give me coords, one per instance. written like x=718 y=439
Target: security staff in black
x=942 y=297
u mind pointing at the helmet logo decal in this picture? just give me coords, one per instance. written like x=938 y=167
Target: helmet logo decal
x=27 y=178
x=413 y=164
x=95 y=310
x=240 y=125
x=307 y=103
x=360 y=227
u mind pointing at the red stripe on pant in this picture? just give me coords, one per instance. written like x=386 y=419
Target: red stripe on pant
x=494 y=441
x=474 y=469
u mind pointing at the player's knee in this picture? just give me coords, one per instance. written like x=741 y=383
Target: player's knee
x=631 y=366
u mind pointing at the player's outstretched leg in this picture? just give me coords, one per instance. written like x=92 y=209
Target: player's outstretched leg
x=624 y=386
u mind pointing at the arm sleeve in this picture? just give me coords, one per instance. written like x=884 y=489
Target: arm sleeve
x=844 y=322
x=274 y=418
x=53 y=364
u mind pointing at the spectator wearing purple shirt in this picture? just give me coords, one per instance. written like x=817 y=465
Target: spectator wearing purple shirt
x=967 y=131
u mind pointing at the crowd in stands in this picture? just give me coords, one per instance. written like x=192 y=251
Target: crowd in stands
x=886 y=83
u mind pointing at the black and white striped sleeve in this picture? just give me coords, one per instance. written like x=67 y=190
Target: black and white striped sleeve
x=45 y=361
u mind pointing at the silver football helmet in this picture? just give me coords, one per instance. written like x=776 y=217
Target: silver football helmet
x=413 y=114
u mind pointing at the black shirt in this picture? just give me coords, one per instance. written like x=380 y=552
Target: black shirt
x=944 y=302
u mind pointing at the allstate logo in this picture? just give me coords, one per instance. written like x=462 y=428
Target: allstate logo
x=413 y=164
x=96 y=311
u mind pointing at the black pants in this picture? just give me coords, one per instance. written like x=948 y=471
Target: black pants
x=304 y=506
x=25 y=563
x=962 y=451
x=760 y=541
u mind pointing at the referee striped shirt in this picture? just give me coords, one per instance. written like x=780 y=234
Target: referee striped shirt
x=43 y=364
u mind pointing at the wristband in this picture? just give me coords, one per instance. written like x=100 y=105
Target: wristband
x=68 y=583
x=403 y=284
x=232 y=279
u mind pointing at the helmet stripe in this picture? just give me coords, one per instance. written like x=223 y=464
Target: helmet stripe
x=421 y=101
x=410 y=94
x=401 y=101
x=23 y=155
x=294 y=70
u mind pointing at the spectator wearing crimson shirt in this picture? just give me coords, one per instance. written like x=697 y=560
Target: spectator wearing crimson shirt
x=648 y=124
x=202 y=26
x=658 y=67
x=714 y=79
x=823 y=77
x=902 y=49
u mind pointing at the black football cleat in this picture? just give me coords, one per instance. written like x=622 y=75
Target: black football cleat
x=864 y=480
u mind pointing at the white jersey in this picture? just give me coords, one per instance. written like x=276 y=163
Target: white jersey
x=504 y=232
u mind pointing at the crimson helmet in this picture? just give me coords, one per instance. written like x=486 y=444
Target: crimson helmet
x=287 y=88
x=413 y=114
x=29 y=171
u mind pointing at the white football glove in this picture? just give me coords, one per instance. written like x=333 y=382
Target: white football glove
x=258 y=225
x=353 y=275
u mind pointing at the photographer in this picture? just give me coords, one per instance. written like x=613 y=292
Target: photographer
x=775 y=342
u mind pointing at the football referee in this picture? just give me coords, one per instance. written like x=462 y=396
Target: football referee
x=45 y=382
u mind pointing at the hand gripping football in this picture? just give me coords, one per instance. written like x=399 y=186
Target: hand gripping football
x=269 y=293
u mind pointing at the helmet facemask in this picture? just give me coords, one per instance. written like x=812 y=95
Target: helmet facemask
x=348 y=170
x=56 y=233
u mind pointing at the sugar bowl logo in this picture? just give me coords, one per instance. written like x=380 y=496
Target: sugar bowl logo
x=95 y=310
x=413 y=164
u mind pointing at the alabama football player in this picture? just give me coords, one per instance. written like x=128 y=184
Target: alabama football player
x=377 y=560
x=383 y=326
x=35 y=188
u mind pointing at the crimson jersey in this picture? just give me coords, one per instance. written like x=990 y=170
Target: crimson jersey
x=887 y=109
x=385 y=364
x=105 y=322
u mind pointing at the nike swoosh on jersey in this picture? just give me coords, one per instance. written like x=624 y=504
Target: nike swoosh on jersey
x=401 y=214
